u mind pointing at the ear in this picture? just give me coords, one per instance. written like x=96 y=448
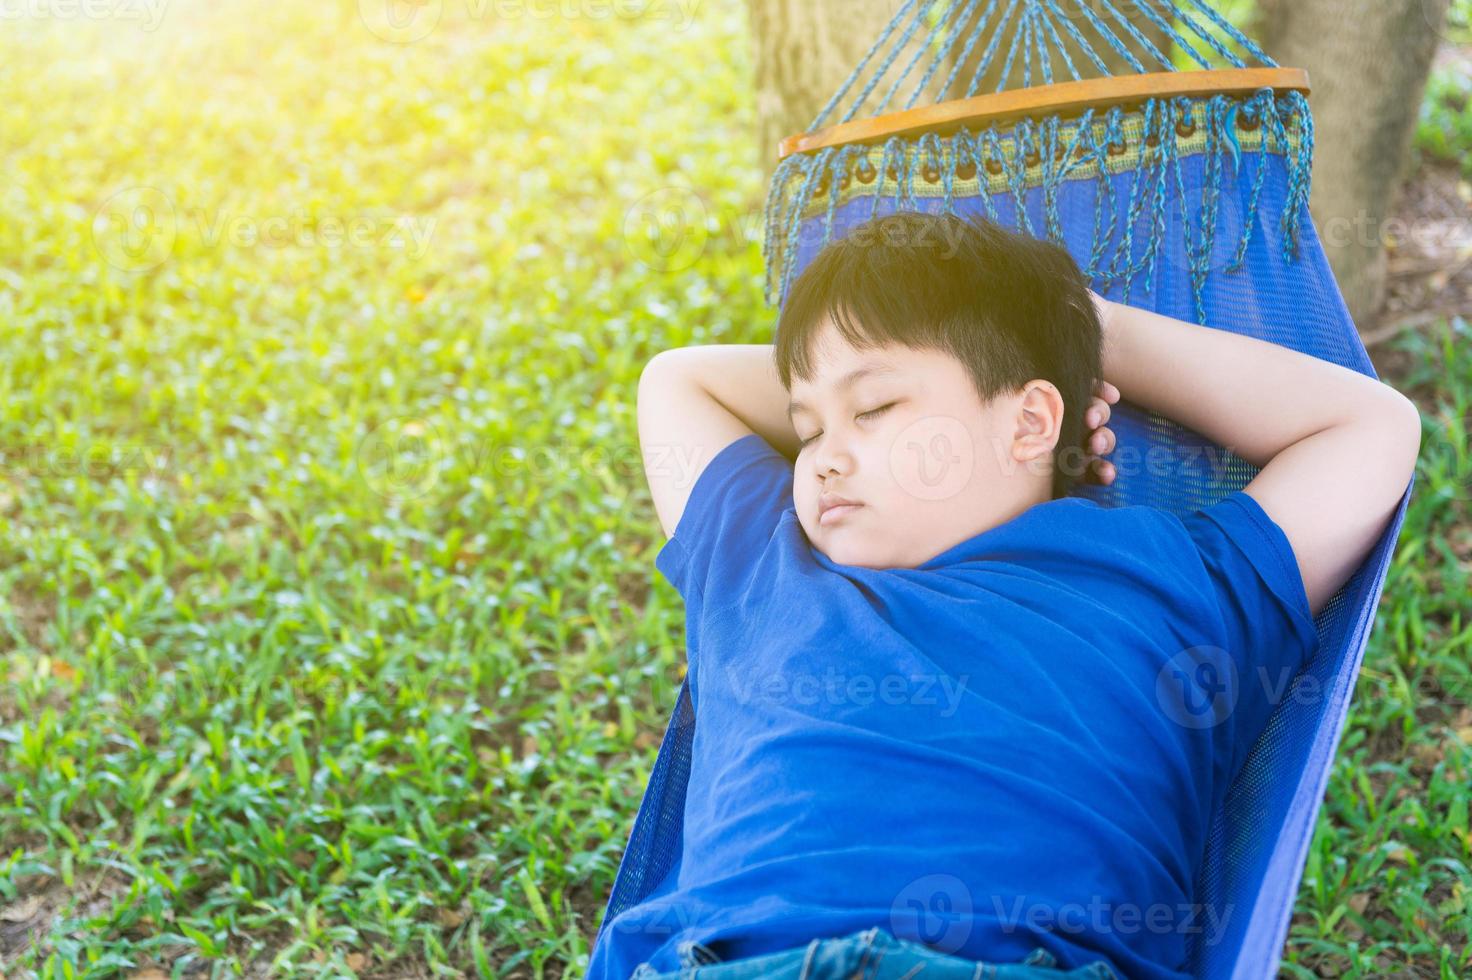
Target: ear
x=1039 y=422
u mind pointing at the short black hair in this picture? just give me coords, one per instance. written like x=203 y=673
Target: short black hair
x=1008 y=306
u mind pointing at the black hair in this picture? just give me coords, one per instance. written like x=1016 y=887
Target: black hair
x=1008 y=306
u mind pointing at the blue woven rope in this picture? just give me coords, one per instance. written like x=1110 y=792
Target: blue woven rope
x=1039 y=41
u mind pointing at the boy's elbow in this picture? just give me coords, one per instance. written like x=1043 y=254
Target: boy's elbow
x=1408 y=420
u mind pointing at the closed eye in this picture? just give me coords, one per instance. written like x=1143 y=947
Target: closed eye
x=876 y=412
x=871 y=414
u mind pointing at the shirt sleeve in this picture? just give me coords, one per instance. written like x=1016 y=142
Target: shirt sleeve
x=732 y=512
x=1259 y=589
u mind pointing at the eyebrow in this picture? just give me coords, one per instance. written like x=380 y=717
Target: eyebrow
x=847 y=381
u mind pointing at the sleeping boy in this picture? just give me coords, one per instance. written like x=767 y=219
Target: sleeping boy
x=954 y=722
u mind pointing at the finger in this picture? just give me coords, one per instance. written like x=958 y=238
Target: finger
x=1107 y=391
x=1103 y=471
x=1099 y=412
x=1103 y=442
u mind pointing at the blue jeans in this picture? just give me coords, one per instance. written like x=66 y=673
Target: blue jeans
x=872 y=954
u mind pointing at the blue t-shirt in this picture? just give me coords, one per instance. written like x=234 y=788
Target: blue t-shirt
x=1018 y=743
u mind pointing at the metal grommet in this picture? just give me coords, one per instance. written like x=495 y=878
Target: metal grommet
x=1152 y=140
x=1186 y=129
x=866 y=172
x=966 y=170
x=994 y=166
x=1033 y=158
x=891 y=173
x=844 y=182
x=931 y=173
x=1059 y=152
x=1117 y=149
x=1249 y=123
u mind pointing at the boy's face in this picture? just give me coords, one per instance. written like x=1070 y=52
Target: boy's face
x=908 y=441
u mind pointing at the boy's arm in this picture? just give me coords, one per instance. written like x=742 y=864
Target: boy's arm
x=694 y=402
x=1336 y=448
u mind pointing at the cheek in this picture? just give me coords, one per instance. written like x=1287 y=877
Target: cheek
x=933 y=459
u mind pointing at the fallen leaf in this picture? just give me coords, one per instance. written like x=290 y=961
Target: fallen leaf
x=21 y=911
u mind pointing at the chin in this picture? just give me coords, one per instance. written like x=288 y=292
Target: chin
x=846 y=554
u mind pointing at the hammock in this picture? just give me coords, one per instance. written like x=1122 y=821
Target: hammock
x=1188 y=187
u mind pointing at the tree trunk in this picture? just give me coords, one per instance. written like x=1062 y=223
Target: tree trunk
x=803 y=51
x=1368 y=62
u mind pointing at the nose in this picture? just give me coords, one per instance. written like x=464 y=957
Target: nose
x=832 y=458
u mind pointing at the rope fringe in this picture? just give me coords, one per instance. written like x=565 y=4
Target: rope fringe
x=1152 y=138
x=807 y=189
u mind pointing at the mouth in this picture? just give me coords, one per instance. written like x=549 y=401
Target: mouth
x=833 y=513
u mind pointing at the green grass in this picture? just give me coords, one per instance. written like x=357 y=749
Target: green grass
x=331 y=640
x=1444 y=129
x=1444 y=124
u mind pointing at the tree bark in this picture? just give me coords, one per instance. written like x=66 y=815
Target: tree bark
x=1368 y=63
x=803 y=51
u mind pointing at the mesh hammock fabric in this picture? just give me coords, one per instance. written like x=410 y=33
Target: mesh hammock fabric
x=1191 y=205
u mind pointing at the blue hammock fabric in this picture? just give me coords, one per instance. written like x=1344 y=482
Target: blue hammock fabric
x=1194 y=207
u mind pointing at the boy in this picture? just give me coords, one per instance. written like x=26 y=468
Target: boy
x=948 y=715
